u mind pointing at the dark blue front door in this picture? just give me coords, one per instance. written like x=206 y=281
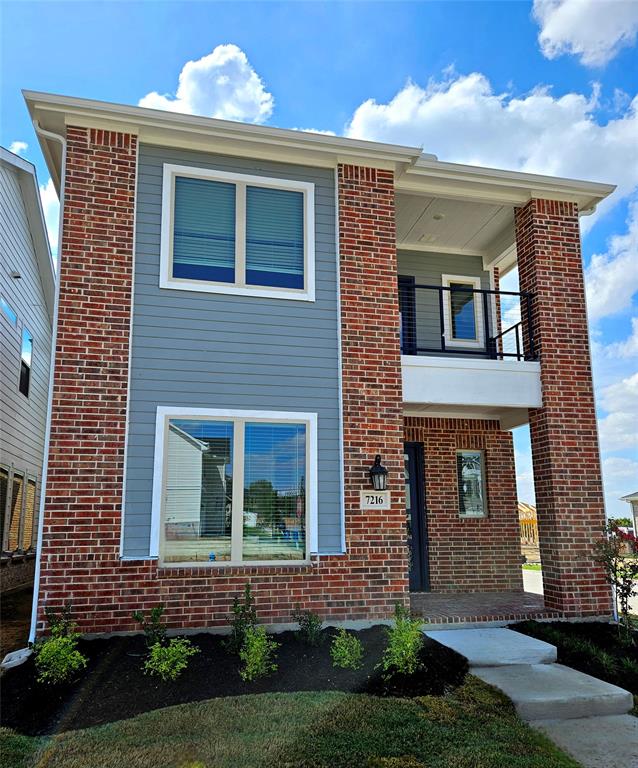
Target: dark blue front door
x=416 y=520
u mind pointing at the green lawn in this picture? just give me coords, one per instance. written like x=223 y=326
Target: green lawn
x=474 y=727
x=532 y=567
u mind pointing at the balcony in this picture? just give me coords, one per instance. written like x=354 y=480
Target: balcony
x=467 y=352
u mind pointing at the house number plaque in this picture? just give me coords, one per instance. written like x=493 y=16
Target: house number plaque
x=375 y=499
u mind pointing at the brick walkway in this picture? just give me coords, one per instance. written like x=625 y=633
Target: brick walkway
x=463 y=607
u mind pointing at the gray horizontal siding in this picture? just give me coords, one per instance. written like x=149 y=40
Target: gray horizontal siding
x=427 y=269
x=22 y=419
x=214 y=351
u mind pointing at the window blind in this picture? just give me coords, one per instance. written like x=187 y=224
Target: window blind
x=274 y=491
x=274 y=237
x=204 y=230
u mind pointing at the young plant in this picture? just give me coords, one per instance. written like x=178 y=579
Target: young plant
x=154 y=630
x=310 y=626
x=60 y=621
x=169 y=661
x=620 y=572
x=257 y=653
x=405 y=641
x=346 y=650
x=57 y=658
x=243 y=617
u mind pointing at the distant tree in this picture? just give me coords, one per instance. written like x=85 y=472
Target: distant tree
x=623 y=522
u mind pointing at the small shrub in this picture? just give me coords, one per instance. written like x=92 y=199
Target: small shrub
x=169 y=661
x=60 y=621
x=405 y=641
x=243 y=617
x=257 y=653
x=154 y=630
x=346 y=650
x=57 y=658
x=310 y=626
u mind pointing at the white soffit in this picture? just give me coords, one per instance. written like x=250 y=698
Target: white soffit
x=451 y=225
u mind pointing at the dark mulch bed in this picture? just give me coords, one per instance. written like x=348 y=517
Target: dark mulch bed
x=592 y=647
x=113 y=686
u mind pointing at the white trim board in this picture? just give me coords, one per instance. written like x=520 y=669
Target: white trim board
x=164 y=412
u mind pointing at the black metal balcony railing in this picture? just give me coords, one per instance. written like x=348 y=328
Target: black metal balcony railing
x=464 y=321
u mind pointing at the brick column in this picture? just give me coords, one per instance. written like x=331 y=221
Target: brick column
x=81 y=538
x=564 y=438
x=371 y=379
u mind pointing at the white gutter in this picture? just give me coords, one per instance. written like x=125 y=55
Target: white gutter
x=47 y=434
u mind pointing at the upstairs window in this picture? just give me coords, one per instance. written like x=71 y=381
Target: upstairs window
x=462 y=316
x=234 y=233
x=25 y=361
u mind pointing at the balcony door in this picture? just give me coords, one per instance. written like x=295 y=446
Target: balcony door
x=416 y=521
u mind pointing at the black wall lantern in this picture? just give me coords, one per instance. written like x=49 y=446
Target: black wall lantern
x=378 y=474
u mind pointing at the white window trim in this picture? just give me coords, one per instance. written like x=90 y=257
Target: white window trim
x=164 y=413
x=239 y=288
x=450 y=341
x=485 y=513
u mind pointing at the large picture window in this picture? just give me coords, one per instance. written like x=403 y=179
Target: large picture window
x=236 y=233
x=235 y=488
x=472 y=495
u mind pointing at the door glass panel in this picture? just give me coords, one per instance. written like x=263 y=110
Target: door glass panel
x=408 y=507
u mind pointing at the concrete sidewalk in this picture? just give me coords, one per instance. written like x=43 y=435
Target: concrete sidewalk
x=585 y=716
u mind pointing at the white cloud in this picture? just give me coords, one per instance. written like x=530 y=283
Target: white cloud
x=461 y=119
x=18 y=147
x=222 y=84
x=593 y=30
x=628 y=347
x=618 y=469
x=612 y=277
x=619 y=429
x=51 y=209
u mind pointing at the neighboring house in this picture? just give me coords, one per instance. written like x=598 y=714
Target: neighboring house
x=249 y=316
x=27 y=288
x=632 y=500
x=528 y=523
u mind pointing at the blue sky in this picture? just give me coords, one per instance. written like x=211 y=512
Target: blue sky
x=546 y=87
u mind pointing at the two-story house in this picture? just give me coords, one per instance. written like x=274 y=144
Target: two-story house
x=27 y=292
x=248 y=317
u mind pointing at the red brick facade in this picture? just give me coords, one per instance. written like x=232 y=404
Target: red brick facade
x=80 y=552
x=469 y=555
x=81 y=543
x=564 y=437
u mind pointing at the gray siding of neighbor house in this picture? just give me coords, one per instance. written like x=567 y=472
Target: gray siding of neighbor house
x=22 y=419
x=427 y=269
x=212 y=350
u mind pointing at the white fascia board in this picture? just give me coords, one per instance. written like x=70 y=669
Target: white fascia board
x=175 y=129
x=478 y=184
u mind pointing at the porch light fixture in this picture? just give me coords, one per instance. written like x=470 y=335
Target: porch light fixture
x=378 y=474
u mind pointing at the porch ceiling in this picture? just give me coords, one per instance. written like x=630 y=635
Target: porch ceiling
x=442 y=224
